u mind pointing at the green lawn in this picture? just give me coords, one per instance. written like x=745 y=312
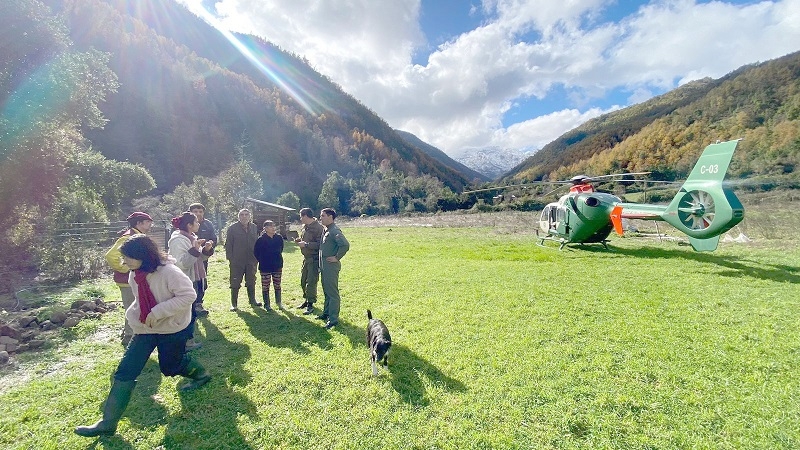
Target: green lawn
x=498 y=343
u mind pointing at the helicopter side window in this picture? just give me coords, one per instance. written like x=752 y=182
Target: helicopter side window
x=559 y=213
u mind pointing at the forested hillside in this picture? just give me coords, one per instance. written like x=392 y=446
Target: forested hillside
x=759 y=103
x=190 y=102
x=114 y=105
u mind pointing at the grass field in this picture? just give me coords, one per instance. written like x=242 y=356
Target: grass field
x=498 y=343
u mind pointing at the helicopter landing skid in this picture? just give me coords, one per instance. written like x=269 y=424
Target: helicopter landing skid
x=563 y=242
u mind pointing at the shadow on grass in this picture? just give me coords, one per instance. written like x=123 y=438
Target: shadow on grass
x=110 y=442
x=410 y=373
x=142 y=411
x=284 y=329
x=737 y=267
x=209 y=416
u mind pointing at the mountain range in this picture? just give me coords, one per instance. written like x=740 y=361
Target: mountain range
x=758 y=103
x=477 y=173
x=193 y=101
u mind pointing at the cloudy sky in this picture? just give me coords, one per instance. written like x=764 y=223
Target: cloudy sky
x=515 y=74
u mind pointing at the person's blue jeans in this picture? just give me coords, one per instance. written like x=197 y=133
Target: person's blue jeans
x=172 y=357
x=200 y=291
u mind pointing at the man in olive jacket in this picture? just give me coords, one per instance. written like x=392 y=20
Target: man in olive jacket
x=309 y=240
x=240 y=239
x=331 y=250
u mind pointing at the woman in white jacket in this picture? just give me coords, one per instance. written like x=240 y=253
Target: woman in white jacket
x=188 y=252
x=160 y=317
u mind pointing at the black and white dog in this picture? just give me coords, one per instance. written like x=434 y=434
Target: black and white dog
x=379 y=342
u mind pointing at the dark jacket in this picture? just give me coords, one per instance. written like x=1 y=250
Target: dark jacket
x=207 y=232
x=239 y=243
x=312 y=235
x=268 y=253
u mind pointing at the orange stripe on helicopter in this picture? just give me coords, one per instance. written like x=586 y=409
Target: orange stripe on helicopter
x=617 y=214
x=616 y=219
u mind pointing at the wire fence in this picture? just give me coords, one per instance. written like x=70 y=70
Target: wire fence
x=104 y=234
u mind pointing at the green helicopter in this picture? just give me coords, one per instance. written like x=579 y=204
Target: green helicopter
x=703 y=208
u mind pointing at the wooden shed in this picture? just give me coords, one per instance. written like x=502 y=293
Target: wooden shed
x=262 y=211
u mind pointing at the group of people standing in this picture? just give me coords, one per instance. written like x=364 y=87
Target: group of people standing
x=163 y=292
x=322 y=244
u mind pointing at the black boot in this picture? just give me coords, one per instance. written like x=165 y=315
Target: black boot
x=234 y=298
x=117 y=401
x=195 y=372
x=278 y=303
x=265 y=297
x=251 y=295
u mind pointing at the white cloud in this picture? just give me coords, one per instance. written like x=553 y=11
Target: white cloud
x=536 y=133
x=353 y=41
x=522 y=49
x=682 y=40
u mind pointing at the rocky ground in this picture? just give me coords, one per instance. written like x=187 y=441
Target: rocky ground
x=31 y=329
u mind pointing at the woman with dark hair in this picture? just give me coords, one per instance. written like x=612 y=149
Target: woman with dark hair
x=267 y=251
x=188 y=252
x=160 y=316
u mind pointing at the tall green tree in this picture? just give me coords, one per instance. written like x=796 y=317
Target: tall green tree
x=236 y=184
x=329 y=196
x=49 y=93
x=289 y=199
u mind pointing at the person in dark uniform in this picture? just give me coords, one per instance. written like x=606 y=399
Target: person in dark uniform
x=331 y=250
x=309 y=240
x=240 y=238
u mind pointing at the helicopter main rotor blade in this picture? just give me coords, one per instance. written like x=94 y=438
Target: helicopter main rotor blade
x=498 y=188
x=619 y=175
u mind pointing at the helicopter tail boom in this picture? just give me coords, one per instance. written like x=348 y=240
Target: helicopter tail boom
x=703 y=208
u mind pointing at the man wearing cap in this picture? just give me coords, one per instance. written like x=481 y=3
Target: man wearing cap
x=138 y=223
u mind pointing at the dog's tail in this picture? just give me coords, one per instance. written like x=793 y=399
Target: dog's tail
x=369 y=314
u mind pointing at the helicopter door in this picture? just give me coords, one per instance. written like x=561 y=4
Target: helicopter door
x=548 y=221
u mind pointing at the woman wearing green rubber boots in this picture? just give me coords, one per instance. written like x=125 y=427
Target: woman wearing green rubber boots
x=160 y=317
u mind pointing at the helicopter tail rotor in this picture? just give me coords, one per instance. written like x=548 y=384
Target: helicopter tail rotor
x=703 y=208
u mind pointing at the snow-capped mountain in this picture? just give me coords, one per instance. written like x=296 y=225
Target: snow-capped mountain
x=491 y=161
